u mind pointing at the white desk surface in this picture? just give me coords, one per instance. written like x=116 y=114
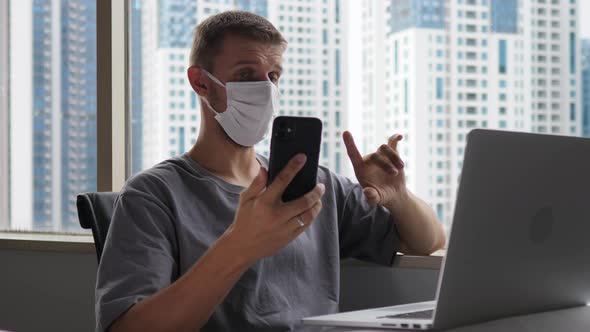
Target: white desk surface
x=567 y=320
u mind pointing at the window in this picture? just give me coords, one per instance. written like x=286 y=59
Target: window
x=48 y=140
x=572 y=52
x=317 y=81
x=439 y=88
x=502 y=56
x=395 y=55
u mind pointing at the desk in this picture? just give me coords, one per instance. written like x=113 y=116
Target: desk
x=567 y=320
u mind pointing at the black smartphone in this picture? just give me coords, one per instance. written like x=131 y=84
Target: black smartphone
x=292 y=135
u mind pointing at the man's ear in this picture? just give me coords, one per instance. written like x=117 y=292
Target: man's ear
x=195 y=77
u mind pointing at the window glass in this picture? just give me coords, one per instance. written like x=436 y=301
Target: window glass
x=48 y=106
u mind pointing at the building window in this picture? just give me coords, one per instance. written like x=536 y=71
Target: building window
x=572 y=112
x=572 y=52
x=337 y=63
x=406 y=96
x=502 y=57
x=181 y=140
x=439 y=211
x=439 y=88
x=194 y=100
x=395 y=55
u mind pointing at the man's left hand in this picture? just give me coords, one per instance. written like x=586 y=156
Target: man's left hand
x=381 y=173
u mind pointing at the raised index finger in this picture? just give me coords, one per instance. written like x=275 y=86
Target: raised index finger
x=353 y=152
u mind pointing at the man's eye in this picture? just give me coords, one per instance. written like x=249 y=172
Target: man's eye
x=244 y=75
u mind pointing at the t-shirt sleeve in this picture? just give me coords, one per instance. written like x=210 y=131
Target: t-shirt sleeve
x=138 y=258
x=366 y=232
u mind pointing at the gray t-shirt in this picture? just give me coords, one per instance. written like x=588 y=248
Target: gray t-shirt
x=165 y=218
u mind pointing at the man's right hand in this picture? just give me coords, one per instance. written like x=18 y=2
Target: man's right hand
x=264 y=223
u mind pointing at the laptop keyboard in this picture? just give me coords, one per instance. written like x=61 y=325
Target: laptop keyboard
x=414 y=314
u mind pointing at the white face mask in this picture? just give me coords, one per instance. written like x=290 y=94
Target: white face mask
x=250 y=108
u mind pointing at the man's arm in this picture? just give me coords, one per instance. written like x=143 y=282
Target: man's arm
x=190 y=301
x=421 y=233
x=382 y=176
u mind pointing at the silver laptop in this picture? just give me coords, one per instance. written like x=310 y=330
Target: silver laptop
x=520 y=238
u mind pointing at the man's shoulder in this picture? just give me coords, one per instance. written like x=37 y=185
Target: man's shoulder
x=158 y=178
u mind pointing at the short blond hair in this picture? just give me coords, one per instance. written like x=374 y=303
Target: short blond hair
x=209 y=34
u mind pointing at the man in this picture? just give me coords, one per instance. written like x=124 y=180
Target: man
x=199 y=242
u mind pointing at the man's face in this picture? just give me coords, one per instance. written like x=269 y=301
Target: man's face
x=243 y=60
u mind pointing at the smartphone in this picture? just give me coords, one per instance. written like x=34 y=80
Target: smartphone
x=292 y=135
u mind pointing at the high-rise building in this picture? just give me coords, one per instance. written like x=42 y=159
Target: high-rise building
x=170 y=110
x=136 y=88
x=78 y=107
x=452 y=66
x=549 y=35
x=4 y=118
x=313 y=83
x=53 y=117
x=586 y=87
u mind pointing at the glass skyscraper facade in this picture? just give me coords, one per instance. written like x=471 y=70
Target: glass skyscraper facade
x=64 y=110
x=43 y=127
x=406 y=14
x=176 y=19
x=78 y=105
x=136 y=88
x=259 y=7
x=504 y=16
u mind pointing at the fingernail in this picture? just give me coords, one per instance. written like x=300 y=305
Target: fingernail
x=322 y=187
x=300 y=158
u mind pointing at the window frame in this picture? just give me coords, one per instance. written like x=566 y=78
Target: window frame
x=4 y=116
x=113 y=94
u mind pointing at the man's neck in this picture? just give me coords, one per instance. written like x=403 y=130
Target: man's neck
x=221 y=156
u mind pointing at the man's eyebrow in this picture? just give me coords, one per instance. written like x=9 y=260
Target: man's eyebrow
x=252 y=62
x=245 y=62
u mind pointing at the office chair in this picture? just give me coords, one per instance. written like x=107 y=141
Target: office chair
x=94 y=212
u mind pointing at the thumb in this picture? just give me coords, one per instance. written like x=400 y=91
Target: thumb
x=257 y=185
x=372 y=195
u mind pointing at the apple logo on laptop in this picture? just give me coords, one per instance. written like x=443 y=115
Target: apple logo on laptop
x=541 y=225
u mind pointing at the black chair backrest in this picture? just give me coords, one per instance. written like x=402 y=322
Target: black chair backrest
x=94 y=212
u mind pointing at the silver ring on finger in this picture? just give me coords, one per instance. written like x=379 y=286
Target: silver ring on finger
x=300 y=221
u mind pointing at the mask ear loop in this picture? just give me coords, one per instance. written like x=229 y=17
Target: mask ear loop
x=216 y=80
x=213 y=78
x=275 y=113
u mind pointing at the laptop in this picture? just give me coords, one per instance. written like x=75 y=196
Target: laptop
x=519 y=241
